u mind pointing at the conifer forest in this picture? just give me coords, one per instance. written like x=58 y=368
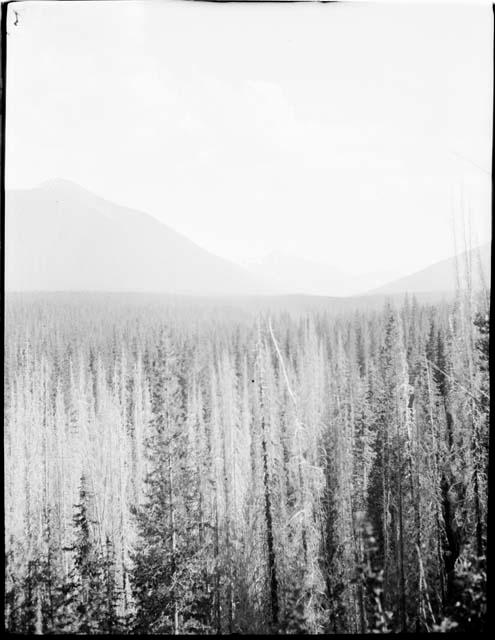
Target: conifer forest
x=181 y=466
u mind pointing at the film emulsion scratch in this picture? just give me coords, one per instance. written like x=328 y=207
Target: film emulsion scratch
x=247 y=302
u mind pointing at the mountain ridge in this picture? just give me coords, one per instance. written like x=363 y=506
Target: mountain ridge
x=62 y=237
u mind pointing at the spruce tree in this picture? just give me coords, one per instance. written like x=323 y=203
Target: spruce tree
x=168 y=593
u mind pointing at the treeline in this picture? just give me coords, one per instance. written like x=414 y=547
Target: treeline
x=176 y=470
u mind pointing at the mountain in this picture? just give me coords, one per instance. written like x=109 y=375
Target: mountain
x=61 y=237
x=441 y=276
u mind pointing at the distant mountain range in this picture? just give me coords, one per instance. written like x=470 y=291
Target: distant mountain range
x=61 y=237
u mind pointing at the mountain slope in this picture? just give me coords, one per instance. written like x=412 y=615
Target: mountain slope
x=60 y=237
x=441 y=276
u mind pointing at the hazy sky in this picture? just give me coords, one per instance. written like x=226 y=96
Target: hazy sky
x=339 y=133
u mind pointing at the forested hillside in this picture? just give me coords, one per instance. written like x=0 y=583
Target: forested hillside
x=170 y=468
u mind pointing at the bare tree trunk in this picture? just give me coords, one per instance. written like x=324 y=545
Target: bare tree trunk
x=272 y=570
x=401 y=554
x=174 y=544
x=218 y=620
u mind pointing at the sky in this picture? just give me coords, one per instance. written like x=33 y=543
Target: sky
x=350 y=134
